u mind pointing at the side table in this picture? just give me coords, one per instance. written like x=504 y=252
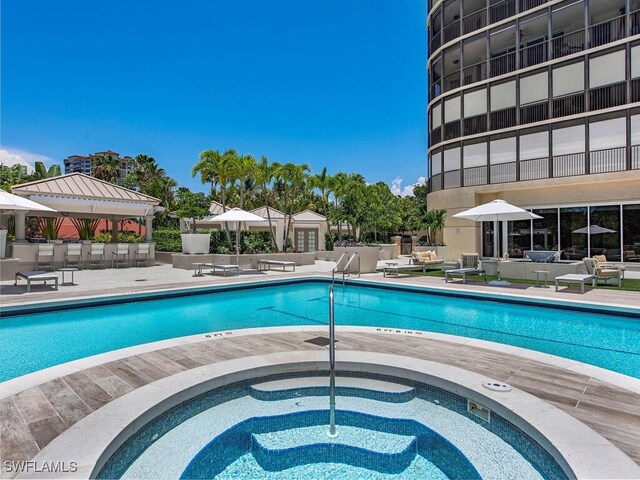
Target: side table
x=541 y=272
x=66 y=270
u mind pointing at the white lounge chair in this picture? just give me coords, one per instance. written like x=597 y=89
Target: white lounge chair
x=265 y=264
x=36 y=276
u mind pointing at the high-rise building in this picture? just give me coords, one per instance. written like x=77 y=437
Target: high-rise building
x=538 y=103
x=83 y=163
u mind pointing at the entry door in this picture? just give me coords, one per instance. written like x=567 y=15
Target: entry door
x=306 y=240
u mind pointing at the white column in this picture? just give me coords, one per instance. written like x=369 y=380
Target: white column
x=20 y=226
x=148 y=223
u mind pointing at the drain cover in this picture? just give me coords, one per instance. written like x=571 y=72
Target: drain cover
x=496 y=386
x=320 y=341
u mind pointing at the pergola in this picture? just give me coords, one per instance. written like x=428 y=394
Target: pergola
x=80 y=196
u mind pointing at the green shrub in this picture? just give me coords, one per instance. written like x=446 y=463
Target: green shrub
x=123 y=237
x=328 y=241
x=167 y=240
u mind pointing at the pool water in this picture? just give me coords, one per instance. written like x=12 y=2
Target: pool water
x=264 y=429
x=36 y=341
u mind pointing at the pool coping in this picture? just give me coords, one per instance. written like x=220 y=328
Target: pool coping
x=579 y=450
x=15 y=385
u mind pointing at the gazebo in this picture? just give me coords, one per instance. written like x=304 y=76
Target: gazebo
x=80 y=196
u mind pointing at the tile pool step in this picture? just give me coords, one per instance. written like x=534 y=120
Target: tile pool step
x=345 y=386
x=389 y=453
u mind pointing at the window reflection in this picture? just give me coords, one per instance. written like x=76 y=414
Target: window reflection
x=519 y=238
x=545 y=229
x=572 y=240
x=605 y=231
x=631 y=232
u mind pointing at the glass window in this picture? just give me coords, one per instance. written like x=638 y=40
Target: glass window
x=436 y=116
x=573 y=222
x=568 y=79
x=545 y=229
x=608 y=134
x=503 y=95
x=606 y=69
x=568 y=140
x=452 y=109
x=518 y=238
x=631 y=232
x=635 y=130
x=635 y=61
x=604 y=231
x=534 y=145
x=487 y=239
x=475 y=103
x=436 y=163
x=534 y=88
x=475 y=155
x=452 y=159
x=503 y=150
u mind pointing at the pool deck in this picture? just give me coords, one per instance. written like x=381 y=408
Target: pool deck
x=38 y=408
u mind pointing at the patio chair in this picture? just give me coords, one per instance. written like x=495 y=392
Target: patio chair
x=44 y=253
x=96 y=250
x=469 y=260
x=602 y=262
x=73 y=250
x=142 y=250
x=121 y=251
x=599 y=273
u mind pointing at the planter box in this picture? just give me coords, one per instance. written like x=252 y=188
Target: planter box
x=368 y=257
x=195 y=242
x=388 y=251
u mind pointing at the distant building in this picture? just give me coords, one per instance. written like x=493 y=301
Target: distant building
x=83 y=163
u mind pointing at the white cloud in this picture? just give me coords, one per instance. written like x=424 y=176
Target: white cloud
x=13 y=156
x=396 y=186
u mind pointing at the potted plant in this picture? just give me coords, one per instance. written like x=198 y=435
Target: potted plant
x=194 y=206
x=86 y=228
x=50 y=228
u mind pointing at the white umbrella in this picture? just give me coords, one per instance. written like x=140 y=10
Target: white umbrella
x=497 y=211
x=9 y=201
x=594 y=230
x=237 y=215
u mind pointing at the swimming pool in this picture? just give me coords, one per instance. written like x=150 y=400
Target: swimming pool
x=38 y=340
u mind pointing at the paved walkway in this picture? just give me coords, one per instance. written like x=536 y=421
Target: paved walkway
x=31 y=419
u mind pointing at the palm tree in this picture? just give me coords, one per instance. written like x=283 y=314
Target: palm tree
x=324 y=182
x=293 y=180
x=264 y=176
x=106 y=167
x=245 y=173
x=40 y=171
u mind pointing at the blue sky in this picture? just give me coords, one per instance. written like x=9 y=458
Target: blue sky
x=340 y=83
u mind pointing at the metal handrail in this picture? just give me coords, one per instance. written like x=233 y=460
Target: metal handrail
x=332 y=367
x=346 y=267
x=335 y=269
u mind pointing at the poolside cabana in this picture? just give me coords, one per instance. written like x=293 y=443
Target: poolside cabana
x=80 y=196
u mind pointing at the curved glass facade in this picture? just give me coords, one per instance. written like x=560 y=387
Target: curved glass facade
x=523 y=90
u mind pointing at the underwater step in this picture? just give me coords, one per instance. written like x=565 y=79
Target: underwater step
x=383 y=452
x=345 y=387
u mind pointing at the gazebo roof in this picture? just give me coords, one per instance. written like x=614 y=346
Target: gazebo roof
x=77 y=194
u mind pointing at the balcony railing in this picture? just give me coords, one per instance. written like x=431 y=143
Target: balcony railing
x=534 y=169
x=503 y=118
x=474 y=73
x=608 y=96
x=600 y=161
x=452 y=179
x=569 y=165
x=609 y=160
x=529 y=4
x=568 y=105
x=608 y=31
x=435 y=42
x=534 y=112
x=475 y=176
x=452 y=130
x=503 y=64
x=567 y=44
x=634 y=90
x=477 y=124
x=502 y=10
x=474 y=21
x=435 y=136
x=533 y=54
x=452 y=81
x=503 y=172
x=451 y=31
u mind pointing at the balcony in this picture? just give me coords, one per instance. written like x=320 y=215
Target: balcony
x=503 y=118
x=477 y=124
x=451 y=31
x=564 y=45
x=534 y=169
x=475 y=176
x=569 y=165
x=502 y=10
x=452 y=179
x=607 y=32
x=608 y=96
x=568 y=105
x=534 y=112
x=503 y=172
x=474 y=21
x=503 y=64
x=609 y=160
x=533 y=55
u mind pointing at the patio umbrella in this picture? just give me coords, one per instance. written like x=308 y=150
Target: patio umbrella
x=9 y=201
x=594 y=230
x=237 y=215
x=496 y=211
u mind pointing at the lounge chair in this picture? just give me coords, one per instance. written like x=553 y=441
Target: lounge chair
x=44 y=253
x=464 y=272
x=73 y=250
x=265 y=264
x=142 y=250
x=598 y=272
x=602 y=262
x=225 y=269
x=96 y=250
x=122 y=250
x=36 y=276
